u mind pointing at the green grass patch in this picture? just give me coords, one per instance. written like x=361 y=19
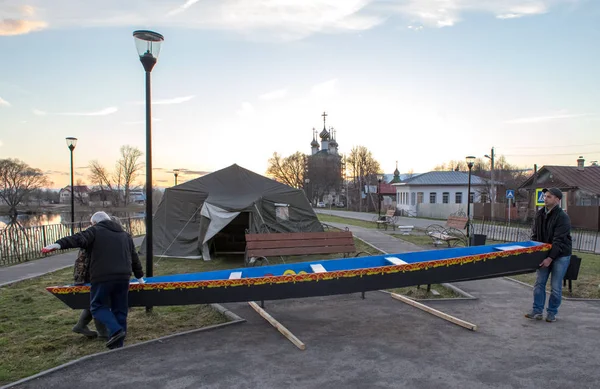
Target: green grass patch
x=35 y=327
x=344 y=220
x=587 y=283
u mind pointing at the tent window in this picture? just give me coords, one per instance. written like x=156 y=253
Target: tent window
x=282 y=212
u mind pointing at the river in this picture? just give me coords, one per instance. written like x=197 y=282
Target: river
x=48 y=218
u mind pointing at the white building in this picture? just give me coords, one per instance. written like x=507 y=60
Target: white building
x=82 y=194
x=438 y=194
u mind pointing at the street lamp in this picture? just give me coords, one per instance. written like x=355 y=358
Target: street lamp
x=148 y=45
x=71 y=143
x=379 y=179
x=470 y=163
x=306 y=182
x=175 y=173
x=491 y=157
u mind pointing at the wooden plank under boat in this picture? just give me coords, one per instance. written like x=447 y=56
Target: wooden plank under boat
x=326 y=277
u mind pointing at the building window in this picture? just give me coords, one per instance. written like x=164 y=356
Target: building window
x=458 y=197
x=472 y=197
x=445 y=197
x=432 y=196
x=483 y=198
x=282 y=212
x=420 y=196
x=413 y=196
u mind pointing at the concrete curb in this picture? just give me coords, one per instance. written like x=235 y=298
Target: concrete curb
x=461 y=292
x=564 y=297
x=235 y=320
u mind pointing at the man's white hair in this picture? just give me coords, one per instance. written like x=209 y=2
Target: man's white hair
x=99 y=217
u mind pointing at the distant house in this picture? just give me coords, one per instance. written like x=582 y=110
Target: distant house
x=580 y=186
x=438 y=194
x=82 y=194
x=101 y=198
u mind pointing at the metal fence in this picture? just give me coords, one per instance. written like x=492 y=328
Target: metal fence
x=583 y=240
x=20 y=244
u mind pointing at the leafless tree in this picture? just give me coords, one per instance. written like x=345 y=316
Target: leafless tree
x=288 y=170
x=17 y=181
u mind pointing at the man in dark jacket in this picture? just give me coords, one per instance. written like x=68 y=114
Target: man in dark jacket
x=112 y=258
x=551 y=225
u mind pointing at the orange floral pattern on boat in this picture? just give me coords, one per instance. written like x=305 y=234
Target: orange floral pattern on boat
x=305 y=277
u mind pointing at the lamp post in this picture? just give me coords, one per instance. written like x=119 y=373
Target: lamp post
x=491 y=157
x=175 y=173
x=148 y=47
x=379 y=179
x=71 y=143
x=470 y=163
x=306 y=182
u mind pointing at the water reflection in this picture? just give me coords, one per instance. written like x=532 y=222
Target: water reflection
x=44 y=219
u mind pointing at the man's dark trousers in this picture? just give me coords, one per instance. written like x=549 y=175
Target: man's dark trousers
x=109 y=304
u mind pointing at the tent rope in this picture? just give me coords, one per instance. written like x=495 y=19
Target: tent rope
x=179 y=233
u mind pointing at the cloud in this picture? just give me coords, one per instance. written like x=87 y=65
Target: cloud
x=274 y=95
x=102 y=112
x=56 y=172
x=541 y=119
x=325 y=89
x=182 y=7
x=245 y=109
x=18 y=20
x=199 y=172
x=175 y=100
x=4 y=103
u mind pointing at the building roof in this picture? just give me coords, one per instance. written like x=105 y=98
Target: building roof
x=444 y=178
x=77 y=188
x=567 y=177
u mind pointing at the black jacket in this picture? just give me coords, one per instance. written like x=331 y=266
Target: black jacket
x=112 y=251
x=554 y=228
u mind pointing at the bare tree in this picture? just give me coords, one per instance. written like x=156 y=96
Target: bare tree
x=363 y=168
x=17 y=181
x=289 y=170
x=100 y=177
x=128 y=168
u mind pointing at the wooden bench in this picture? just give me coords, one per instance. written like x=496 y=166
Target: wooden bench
x=452 y=233
x=261 y=246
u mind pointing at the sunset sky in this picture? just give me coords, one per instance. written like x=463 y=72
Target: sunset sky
x=420 y=82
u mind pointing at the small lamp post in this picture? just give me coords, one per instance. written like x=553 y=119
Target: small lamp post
x=175 y=173
x=379 y=179
x=306 y=182
x=148 y=45
x=470 y=163
x=71 y=143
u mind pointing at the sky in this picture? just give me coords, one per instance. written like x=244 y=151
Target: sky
x=420 y=82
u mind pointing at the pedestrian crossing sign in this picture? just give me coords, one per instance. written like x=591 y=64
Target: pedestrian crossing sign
x=539 y=197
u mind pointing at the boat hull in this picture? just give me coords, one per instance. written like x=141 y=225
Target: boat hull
x=473 y=267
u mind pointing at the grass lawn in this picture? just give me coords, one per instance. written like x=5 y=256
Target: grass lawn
x=344 y=220
x=588 y=282
x=35 y=327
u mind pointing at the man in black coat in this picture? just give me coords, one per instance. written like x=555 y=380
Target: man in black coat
x=551 y=225
x=112 y=258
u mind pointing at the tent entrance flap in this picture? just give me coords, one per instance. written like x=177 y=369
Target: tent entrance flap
x=231 y=240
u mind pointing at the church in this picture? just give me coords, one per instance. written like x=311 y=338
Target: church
x=324 y=176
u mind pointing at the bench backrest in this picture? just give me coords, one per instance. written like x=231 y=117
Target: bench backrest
x=299 y=243
x=458 y=222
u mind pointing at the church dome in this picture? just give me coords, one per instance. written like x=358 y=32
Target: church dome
x=324 y=134
x=314 y=143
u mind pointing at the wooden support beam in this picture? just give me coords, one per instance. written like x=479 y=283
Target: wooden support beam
x=435 y=312
x=297 y=342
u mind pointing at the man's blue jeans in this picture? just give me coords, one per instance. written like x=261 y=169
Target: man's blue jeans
x=109 y=304
x=558 y=268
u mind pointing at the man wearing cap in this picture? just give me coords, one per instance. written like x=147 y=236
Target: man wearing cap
x=551 y=225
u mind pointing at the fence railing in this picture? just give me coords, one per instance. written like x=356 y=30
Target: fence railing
x=20 y=244
x=583 y=240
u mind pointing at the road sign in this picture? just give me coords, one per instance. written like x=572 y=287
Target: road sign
x=510 y=194
x=539 y=197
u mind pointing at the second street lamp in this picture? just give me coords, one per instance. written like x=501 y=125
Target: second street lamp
x=379 y=179
x=175 y=173
x=148 y=45
x=71 y=143
x=470 y=162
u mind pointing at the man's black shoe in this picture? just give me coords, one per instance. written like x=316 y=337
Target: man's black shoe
x=115 y=338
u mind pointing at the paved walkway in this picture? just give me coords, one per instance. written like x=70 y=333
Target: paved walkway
x=38 y=267
x=402 y=221
x=377 y=342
